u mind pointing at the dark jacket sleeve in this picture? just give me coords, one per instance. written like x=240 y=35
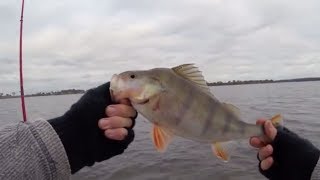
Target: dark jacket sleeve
x=316 y=172
x=32 y=150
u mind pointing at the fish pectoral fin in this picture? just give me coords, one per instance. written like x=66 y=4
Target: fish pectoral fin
x=161 y=138
x=223 y=150
x=232 y=108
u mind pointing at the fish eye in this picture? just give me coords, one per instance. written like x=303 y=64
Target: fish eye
x=132 y=76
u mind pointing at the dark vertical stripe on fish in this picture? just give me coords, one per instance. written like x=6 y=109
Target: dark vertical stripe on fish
x=183 y=111
x=228 y=120
x=208 y=122
x=186 y=106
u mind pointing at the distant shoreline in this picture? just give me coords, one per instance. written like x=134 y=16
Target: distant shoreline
x=219 y=83
x=234 y=82
x=55 y=93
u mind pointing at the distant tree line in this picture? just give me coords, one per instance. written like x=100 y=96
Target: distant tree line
x=236 y=82
x=7 y=95
x=62 y=92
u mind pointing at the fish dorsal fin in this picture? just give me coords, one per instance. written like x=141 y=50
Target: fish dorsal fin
x=232 y=108
x=193 y=74
x=161 y=138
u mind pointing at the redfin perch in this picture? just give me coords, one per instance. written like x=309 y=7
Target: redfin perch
x=179 y=103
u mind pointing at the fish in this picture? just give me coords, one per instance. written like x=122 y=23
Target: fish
x=178 y=102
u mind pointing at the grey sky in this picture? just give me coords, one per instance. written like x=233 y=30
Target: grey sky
x=80 y=44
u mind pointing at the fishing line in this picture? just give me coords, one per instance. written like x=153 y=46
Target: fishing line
x=20 y=65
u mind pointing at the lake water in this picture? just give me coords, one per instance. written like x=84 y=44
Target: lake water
x=299 y=103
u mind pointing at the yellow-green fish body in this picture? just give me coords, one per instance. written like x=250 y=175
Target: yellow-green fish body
x=179 y=103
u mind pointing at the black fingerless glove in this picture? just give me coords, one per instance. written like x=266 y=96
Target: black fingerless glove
x=78 y=130
x=294 y=157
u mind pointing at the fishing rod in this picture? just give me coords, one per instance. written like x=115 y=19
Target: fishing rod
x=20 y=63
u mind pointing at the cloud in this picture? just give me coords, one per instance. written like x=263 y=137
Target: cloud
x=80 y=44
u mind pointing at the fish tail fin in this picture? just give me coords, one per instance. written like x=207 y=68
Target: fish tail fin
x=277 y=122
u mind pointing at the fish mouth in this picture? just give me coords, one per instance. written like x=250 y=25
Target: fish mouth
x=143 y=102
x=112 y=88
x=112 y=95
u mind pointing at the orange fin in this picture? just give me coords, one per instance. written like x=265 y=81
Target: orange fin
x=277 y=120
x=161 y=138
x=223 y=150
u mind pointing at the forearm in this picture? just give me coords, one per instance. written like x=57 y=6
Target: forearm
x=316 y=172
x=32 y=151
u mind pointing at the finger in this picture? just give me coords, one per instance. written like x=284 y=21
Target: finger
x=264 y=139
x=114 y=122
x=116 y=134
x=270 y=130
x=265 y=152
x=125 y=102
x=120 y=110
x=260 y=121
x=267 y=163
x=256 y=142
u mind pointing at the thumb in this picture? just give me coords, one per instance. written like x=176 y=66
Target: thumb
x=270 y=130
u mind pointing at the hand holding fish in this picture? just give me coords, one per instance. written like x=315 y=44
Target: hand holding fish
x=284 y=155
x=118 y=120
x=95 y=128
x=266 y=149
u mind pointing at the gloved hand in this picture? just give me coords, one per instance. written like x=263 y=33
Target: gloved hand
x=85 y=143
x=288 y=156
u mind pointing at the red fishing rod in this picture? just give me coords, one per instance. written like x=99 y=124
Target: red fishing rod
x=21 y=74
